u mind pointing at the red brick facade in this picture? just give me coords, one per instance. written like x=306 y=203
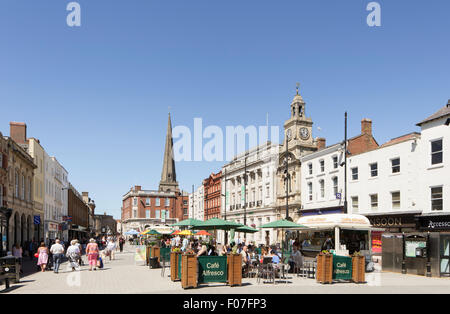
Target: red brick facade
x=363 y=142
x=213 y=195
x=151 y=204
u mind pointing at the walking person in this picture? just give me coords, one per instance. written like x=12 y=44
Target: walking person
x=121 y=243
x=58 y=252
x=92 y=252
x=17 y=252
x=73 y=254
x=43 y=256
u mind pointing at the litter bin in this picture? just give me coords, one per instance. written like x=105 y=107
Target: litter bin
x=154 y=263
x=10 y=266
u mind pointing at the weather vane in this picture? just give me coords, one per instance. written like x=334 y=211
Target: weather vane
x=298 y=85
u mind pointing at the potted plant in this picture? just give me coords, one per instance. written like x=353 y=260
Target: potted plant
x=358 y=267
x=324 y=272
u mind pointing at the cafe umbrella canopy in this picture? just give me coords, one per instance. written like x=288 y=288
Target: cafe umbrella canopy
x=190 y=222
x=217 y=224
x=246 y=229
x=283 y=224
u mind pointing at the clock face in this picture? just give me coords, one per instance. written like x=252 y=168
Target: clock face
x=304 y=133
x=289 y=134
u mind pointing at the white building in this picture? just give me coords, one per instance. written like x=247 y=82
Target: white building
x=56 y=199
x=253 y=204
x=434 y=164
x=197 y=209
x=323 y=172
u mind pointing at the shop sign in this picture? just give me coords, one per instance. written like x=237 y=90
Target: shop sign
x=212 y=269
x=342 y=267
x=391 y=221
x=37 y=220
x=53 y=227
x=435 y=223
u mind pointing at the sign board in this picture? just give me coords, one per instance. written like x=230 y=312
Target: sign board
x=140 y=253
x=212 y=269
x=37 y=220
x=338 y=196
x=163 y=216
x=227 y=198
x=342 y=267
x=410 y=247
x=434 y=223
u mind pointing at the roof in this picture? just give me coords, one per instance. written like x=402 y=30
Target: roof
x=444 y=111
x=400 y=139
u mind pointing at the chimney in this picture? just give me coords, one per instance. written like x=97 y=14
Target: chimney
x=366 y=126
x=137 y=188
x=321 y=143
x=448 y=104
x=85 y=196
x=18 y=132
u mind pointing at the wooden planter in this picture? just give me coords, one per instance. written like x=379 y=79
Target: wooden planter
x=174 y=260
x=358 y=269
x=324 y=271
x=148 y=254
x=189 y=271
x=234 y=265
x=156 y=252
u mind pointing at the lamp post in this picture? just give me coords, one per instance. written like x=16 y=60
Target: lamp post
x=245 y=190
x=225 y=206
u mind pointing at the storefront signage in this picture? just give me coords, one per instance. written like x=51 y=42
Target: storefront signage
x=435 y=223
x=394 y=221
x=342 y=267
x=53 y=227
x=37 y=220
x=212 y=269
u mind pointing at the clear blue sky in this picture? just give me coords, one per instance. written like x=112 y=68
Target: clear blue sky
x=97 y=96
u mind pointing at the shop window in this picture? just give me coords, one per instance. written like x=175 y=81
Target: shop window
x=436 y=198
x=436 y=152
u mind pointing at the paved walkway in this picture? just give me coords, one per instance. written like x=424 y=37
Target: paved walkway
x=124 y=276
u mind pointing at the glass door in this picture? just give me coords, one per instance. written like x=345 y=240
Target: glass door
x=445 y=256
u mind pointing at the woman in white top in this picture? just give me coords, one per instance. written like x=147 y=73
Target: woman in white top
x=73 y=254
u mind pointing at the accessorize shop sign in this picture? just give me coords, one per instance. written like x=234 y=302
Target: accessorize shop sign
x=434 y=223
x=212 y=269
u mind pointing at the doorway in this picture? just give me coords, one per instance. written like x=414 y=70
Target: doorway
x=444 y=252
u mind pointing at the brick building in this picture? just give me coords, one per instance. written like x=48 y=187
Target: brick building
x=78 y=210
x=213 y=195
x=156 y=209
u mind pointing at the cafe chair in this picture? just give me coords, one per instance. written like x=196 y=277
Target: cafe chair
x=266 y=271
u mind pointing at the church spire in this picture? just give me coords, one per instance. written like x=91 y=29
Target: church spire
x=168 y=175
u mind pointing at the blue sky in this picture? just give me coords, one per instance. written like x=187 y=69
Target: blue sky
x=97 y=96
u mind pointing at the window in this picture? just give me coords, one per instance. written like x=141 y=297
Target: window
x=267 y=191
x=1 y=196
x=147 y=201
x=355 y=204
x=322 y=165
x=374 y=170
x=23 y=188
x=436 y=198
x=157 y=214
x=157 y=202
x=1 y=160
x=335 y=186
x=16 y=181
x=147 y=214
x=310 y=191
x=436 y=152
x=135 y=201
x=335 y=162
x=395 y=165
x=395 y=200
x=322 y=188
x=355 y=173
x=374 y=201
x=310 y=168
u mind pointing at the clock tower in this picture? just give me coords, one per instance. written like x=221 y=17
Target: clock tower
x=298 y=129
x=299 y=141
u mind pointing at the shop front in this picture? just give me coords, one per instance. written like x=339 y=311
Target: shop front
x=392 y=223
x=5 y=214
x=438 y=227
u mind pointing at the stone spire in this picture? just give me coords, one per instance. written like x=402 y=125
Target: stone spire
x=168 y=175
